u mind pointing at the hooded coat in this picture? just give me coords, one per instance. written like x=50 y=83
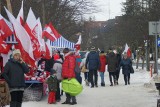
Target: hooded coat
x=93 y=61
x=68 y=66
x=112 y=62
x=103 y=62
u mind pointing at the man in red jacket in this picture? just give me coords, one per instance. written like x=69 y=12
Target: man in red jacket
x=68 y=72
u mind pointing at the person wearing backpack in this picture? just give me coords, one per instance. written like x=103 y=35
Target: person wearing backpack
x=93 y=63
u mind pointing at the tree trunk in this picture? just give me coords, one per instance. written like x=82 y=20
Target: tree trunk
x=9 y=6
x=137 y=62
x=143 y=62
x=44 y=13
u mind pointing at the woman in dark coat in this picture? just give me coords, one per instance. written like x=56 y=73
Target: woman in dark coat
x=126 y=65
x=14 y=71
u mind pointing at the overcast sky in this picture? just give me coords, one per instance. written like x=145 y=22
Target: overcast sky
x=103 y=5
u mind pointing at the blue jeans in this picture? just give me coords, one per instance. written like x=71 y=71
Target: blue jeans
x=102 y=77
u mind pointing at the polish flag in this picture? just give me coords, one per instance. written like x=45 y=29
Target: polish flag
x=55 y=32
x=23 y=39
x=51 y=33
x=48 y=53
x=33 y=36
x=78 y=44
x=4 y=47
x=48 y=33
x=20 y=17
x=5 y=31
x=128 y=51
x=37 y=30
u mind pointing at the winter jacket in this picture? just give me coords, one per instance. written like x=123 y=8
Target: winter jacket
x=103 y=63
x=112 y=62
x=93 y=61
x=49 y=64
x=14 y=73
x=52 y=83
x=58 y=67
x=68 y=66
x=126 y=66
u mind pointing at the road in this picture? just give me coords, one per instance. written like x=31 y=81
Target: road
x=134 y=95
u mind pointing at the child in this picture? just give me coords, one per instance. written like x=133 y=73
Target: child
x=52 y=86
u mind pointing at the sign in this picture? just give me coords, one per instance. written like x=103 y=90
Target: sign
x=154 y=28
x=158 y=42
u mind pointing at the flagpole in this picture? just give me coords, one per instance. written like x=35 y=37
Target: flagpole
x=9 y=6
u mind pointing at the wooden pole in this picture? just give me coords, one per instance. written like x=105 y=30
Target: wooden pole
x=9 y=6
x=0 y=6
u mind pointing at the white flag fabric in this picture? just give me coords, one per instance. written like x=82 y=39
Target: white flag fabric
x=20 y=17
x=31 y=19
x=21 y=34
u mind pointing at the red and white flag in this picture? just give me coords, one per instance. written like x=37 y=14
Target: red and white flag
x=51 y=33
x=78 y=44
x=128 y=51
x=37 y=30
x=48 y=53
x=4 y=47
x=5 y=31
x=20 y=17
x=33 y=36
x=23 y=39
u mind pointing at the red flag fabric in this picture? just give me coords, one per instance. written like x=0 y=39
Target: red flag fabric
x=48 y=53
x=5 y=31
x=48 y=33
x=55 y=32
x=23 y=39
x=35 y=42
x=4 y=47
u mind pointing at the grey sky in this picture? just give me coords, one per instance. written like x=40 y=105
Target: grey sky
x=103 y=5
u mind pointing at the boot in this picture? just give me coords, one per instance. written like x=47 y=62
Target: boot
x=128 y=82
x=13 y=104
x=111 y=84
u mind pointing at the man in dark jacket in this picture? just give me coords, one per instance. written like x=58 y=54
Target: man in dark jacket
x=93 y=63
x=112 y=66
x=14 y=75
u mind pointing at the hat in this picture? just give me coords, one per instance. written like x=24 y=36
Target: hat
x=52 y=71
x=93 y=48
x=16 y=51
x=56 y=56
x=102 y=51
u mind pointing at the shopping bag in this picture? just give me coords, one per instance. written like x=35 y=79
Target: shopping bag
x=83 y=69
x=132 y=70
x=72 y=87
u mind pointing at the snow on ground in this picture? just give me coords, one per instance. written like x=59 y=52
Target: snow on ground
x=134 y=95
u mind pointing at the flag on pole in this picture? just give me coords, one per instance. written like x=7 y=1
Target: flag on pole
x=20 y=17
x=127 y=50
x=4 y=47
x=23 y=39
x=33 y=36
x=5 y=31
x=78 y=44
x=48 y=33
x=48 y=53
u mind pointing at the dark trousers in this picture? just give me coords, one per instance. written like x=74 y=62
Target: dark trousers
x=127 y=78
x=117 y=74
x=16 y=98
x=112 y=74
x=91 y=74
x=69 y=98
x=86 y=75
x=58 y=96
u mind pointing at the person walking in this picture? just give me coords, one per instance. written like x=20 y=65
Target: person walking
x=112 y=66
x=68 y=72
x=93 y=64
x=102 y=67
x=58 y=68
x=118 y=55
x=14 y=71
x=126 y=65
x=84 y=70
